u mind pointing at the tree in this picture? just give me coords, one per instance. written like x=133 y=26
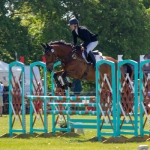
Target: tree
x=146 y=3
x=14 y=37
x=123 y=26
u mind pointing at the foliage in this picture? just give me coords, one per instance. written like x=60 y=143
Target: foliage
x=88 y=88
x=14 y=37
x=123 y=26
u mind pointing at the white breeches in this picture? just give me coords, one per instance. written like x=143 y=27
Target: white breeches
x=91 y=46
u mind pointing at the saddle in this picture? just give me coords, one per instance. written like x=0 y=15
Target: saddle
x=96 y=52
x=98 y=55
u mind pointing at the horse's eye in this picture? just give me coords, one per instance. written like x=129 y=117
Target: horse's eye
x=48 y=54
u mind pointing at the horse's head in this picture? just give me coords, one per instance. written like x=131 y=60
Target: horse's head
x=50 y=55
x=58 y=50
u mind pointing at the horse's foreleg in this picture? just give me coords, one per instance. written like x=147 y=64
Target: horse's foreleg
x=57 y=81
x=56 y=74
x=67 y=84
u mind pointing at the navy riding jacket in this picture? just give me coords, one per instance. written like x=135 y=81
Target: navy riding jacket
x=85 y=35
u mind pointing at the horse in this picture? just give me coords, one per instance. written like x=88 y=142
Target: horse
x=73 y=64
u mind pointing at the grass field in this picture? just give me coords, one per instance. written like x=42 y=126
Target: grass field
x=57 y=143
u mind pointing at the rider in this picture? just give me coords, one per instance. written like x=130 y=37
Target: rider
x=89 y=39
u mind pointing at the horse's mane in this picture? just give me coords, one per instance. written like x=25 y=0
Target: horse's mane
x=61 y=42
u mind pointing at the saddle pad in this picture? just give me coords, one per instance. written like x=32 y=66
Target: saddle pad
x=97 y=54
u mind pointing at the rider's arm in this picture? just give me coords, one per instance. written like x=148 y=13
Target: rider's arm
x=87 y=38
x=74 y=38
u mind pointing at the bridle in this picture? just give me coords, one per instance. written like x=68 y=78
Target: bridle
x=50 y=49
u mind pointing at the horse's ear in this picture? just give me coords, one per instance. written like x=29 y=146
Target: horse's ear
x=43 y=45
x=47 y=45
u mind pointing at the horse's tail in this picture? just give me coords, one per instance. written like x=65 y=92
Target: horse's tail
x=111 y=59
x=129 y=69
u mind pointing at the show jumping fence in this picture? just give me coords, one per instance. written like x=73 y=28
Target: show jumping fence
x=116 y=102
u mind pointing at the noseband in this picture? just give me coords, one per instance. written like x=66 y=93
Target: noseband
x=50 y=49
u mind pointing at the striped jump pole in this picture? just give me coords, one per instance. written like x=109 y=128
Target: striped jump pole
x=16 y=98
x=74 y=104
x=71 y=112
x=61 y=98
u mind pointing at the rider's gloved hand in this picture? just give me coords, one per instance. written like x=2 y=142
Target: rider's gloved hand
x=82 y=48
x=78 y=47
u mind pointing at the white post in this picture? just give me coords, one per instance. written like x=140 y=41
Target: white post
x=141 y=58
x=16 y=56
x=120 y=57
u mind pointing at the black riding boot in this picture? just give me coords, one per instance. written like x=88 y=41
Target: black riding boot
x=86 y=54
x=92 y=58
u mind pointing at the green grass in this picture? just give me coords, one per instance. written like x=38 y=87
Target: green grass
x=57 y=143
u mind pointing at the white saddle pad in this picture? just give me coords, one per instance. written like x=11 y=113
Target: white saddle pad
x=97 y=57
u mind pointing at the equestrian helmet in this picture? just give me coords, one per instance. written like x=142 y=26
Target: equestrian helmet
x=73 y=21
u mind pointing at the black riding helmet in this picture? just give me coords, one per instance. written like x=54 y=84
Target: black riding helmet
x=73 y=21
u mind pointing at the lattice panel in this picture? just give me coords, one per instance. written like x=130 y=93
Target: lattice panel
x=127 y=97
x=146 y=97
x=37 y=90
x=106 y=100
x=16 y=98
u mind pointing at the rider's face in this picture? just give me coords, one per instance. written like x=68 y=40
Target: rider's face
x=72 y=27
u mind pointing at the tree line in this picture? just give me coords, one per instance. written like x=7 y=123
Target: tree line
x=123 y=26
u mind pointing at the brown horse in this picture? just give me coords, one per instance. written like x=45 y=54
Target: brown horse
x=72 y=62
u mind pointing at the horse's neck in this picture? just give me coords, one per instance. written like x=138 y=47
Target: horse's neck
x=62 y=50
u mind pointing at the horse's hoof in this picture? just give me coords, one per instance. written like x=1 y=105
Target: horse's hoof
x=71 y=85
x=58 y=86
x=65 y=87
